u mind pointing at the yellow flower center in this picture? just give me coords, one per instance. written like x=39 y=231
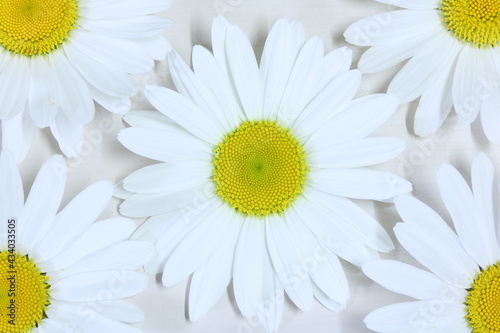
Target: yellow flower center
x=259 y=169
x=24 y=293
x=35 y=27
x=483 y=301
x=473 y=21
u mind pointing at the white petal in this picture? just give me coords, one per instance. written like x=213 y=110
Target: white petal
x=156 y=46
x=248 y=265
x=439 y=254
x=475 y=232
x=336 y=62
x=280 y=52
x=425 y=67
x=190 y=86
x=411 y=281
x=329 y=102
x=359 y=183
x=490 y=117
x=117 y=105
x=413 y=4
x=348 y=218
x=204 y=238
x=219 y=28
x=76 y=101
x=285 y=258
x=150 y=119
x=467 y=81
x=124 y=8
x=165 y=146
x=327 y=302
x=415 y=317
x=42 y=202
x=435 y=104
x=244 y=72
x=133 y=27
x=154 y=227
x=17 y=135
x=270 y=306
x=212 y=278
x=185 y=113
x=120 y=311
x=359 y=119
x=44 y=99
x=98 y=236
x=393 y=27
x=104 y=78
x=303 y=83
x=14 y=94
x=69 y=135
x=90 y=286
x=169 y=178
x=128 y=255
x=74 y=219
x=357 y=153
x=209 y=71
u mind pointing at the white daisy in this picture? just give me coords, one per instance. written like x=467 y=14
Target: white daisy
x=60 y=272
x=454 y=46
x=461 y=292
x=58 y=56
x=256 y=167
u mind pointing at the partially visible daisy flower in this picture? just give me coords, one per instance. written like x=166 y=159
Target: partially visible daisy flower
x=60 y=272
x=454 y=51
x=461 y=292
x=58 y=56
x=257 y=165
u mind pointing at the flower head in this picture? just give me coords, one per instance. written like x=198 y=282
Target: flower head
x=59 y=56
x=453 y=46
x=461 y=291
x=257 y=165
x=60 y=272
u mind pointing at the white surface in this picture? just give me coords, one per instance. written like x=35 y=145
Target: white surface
x=103 y=158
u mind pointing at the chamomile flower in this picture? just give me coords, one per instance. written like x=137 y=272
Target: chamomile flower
x=257 y=165
x=461 y=292
x=454 y=51
x=58 y=56
x=60 y=272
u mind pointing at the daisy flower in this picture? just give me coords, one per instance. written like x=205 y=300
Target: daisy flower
x=461 y=292
x=454 y=51
x=257 y=165
x=58 y=56
x=60 y=272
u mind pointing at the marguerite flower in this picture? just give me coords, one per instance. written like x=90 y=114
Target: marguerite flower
x=461 y=292
x=60 y=272
x=454 y=46
x=58 y=56
x=256 y=167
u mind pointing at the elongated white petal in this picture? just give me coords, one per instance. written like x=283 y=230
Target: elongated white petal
x=74 y=219
x=285 y=258
x=441 y=255
x=42 y=202
x=210 y=280
x=17 y=135
x=44 y=98
x=150 y=119
x=413 y=4
x=14 y=95
x=270 y=307
x=244 y=72
x=425 y=67
x=359 y=183
x=121 y=311
x=69 y=135
x=410 y=317
x=248 y=266
x=205 y=238
x=156 y=46
x=118 y=105
x=133 y=27
x=393 y=27
x=335 y=63
x=467 y=83
x=185 y=113
x=475 y=232
x=490 y=117
x=127 y=8
x=411 y=281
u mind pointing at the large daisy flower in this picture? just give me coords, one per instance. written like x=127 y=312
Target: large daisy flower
x=256 y=167
x=60 y=272
x=454 y=46
x=58 y=56
x=461 y=292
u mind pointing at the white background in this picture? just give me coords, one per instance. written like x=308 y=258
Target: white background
x=103 y=158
